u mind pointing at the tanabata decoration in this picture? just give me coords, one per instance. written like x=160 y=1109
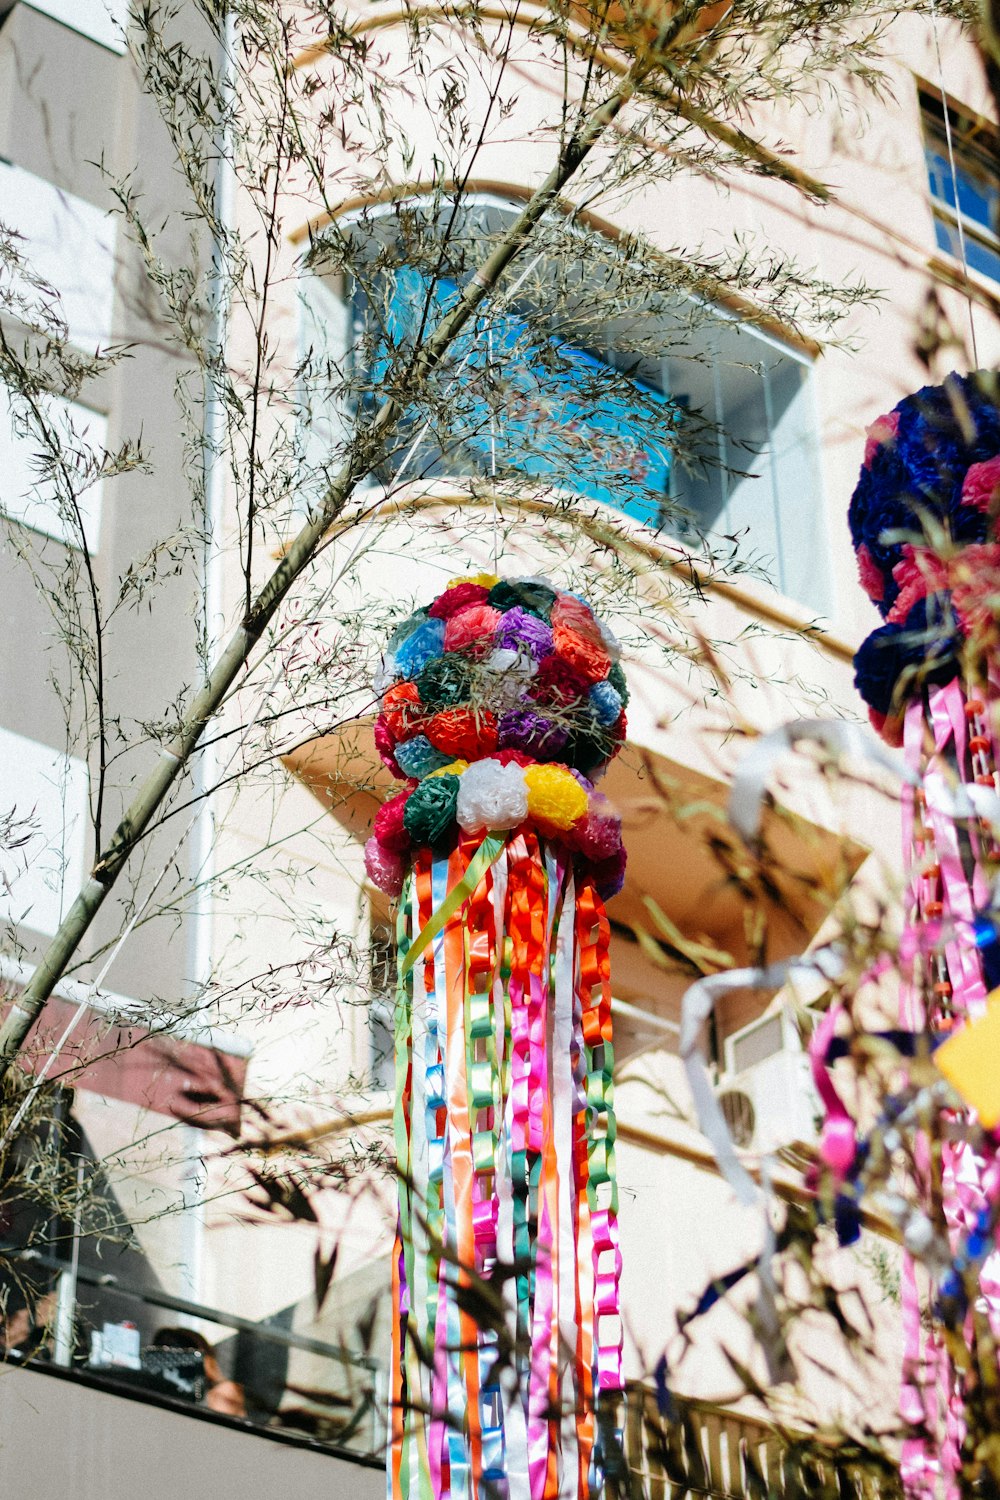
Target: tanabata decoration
x=924 y=523
x=500 y=705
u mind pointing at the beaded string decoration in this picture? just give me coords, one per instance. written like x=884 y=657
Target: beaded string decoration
x=924 y=523
x=500 y=705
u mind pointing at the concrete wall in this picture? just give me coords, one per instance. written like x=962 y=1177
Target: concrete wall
x=61 y=1439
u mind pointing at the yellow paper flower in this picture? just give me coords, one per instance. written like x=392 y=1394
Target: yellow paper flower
x=554 y=796
x=454 y=768
x=485 y=580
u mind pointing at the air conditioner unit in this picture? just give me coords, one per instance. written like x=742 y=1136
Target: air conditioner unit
x=766 y=1091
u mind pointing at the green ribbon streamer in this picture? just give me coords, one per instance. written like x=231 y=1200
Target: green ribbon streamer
x=486 y=855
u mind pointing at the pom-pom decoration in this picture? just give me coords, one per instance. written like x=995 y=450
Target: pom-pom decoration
x=501 y=703
x=923 y=520
x=924 y=523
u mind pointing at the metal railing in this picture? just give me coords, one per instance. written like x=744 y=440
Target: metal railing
x=336 y=1396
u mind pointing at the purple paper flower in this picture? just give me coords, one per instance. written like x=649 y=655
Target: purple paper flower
x=524 y=632
x=524 y=729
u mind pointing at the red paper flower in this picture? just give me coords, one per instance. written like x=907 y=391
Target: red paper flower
x=514 y=757
x=388 y=828
x=402 y=710
x=557 y=683
x=459 y=597
x=463 y=733
x=386 y=746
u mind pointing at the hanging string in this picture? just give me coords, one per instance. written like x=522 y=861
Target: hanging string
x=493 y=450
x=963 y=256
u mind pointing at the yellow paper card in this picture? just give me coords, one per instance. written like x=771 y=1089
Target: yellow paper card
x=970 y=1060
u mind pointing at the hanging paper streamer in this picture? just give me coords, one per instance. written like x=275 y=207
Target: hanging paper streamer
x=924 y=525
x=500 y=705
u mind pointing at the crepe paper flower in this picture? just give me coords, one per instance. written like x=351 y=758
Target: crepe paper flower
x=385 y=745
x=531 y=594
x=571 y=610
x=445 y=682
x=526 y=729
x=426 y=642
x=402 y=710
x=429 y=817
x=974 y=578
x=587 y=657
x=870 y=575
x=981 y=485
x=609 y=875
x=898 y=659
x=453 y=768
x=558 y=684
x=405 y=629
x=385 y=676
x=492 y=795
x=469 y=733
x=458 y=596
x=609 y=640
x=480 y=580
x=417 y=757
x=385 y=868
x=605 y=703
x=598 y=836
x=511 y=757
x=616 y=677
x=521 y=631
x=472 y=630
x=880 y=432
x=555 y=799
x=389 y=826
x=918 y=573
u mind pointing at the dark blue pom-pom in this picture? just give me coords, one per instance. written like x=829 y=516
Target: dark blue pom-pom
x=927 y=643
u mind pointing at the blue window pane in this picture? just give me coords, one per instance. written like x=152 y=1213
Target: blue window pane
x=978 y=196
x=549 y=426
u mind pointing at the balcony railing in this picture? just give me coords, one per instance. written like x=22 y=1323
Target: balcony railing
x=303 y=1389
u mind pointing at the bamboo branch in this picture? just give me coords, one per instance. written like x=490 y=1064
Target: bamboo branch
x=369 y=447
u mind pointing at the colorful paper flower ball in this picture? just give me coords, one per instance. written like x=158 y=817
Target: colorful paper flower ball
x=459 y=673
x=499 y=705
x=923 y=521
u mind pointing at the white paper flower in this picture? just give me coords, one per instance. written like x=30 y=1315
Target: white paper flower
x=491 y=795
x=512 y=673
x=384 y=677
x=609 y=640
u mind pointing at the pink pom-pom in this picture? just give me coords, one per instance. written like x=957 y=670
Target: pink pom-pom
x=598 y=836
x=385 y=868
x=472 y=629
x=386 y=746
x=981 y=484
x=883 y=430
x=918 y=574
x=388 y=826
x=870 y=575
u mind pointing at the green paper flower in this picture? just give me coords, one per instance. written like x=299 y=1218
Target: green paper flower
x=616 y=677
x=534 y=597
x=431 y=809
x=445 y=682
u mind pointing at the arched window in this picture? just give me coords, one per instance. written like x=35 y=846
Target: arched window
x=586 y=377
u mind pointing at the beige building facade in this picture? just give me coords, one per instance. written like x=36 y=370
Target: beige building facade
x=280 y=851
